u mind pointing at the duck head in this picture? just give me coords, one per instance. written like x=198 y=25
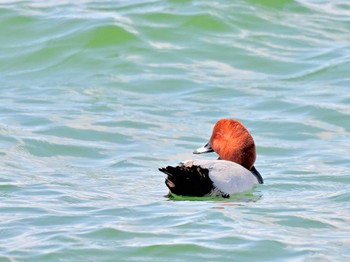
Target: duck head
x=232 y=142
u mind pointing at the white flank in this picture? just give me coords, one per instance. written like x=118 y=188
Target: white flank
x=227 y=176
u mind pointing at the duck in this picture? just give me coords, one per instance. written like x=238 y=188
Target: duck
x=233 y=172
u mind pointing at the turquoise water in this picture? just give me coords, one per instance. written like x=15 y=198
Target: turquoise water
x=96 y=95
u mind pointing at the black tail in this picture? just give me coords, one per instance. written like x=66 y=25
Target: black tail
x=188 y=181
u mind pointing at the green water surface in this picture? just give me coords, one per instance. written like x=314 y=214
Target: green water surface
x=96 y=95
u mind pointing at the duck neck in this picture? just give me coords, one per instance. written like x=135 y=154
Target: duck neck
x=241 y=154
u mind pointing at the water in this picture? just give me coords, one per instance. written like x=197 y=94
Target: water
x=96 y=95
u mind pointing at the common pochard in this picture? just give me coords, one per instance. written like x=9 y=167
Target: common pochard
x=232 y=172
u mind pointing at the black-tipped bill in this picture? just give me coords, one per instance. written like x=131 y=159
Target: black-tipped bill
x=205 y=149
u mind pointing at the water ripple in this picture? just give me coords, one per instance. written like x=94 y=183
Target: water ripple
x=96 y=95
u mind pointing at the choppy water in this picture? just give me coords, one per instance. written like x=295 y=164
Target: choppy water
x=96 y=95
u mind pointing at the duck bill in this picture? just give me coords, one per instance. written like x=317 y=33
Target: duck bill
x=205 y=149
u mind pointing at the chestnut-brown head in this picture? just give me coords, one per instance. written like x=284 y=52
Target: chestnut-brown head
x=232 y=142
